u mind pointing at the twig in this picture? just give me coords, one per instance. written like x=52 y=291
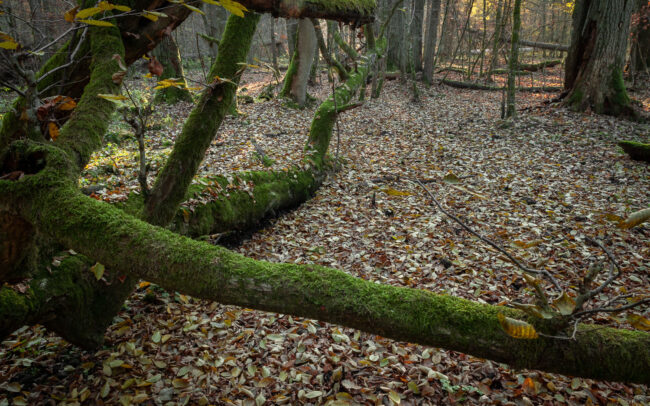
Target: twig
x=611 y=309
x=490 y=243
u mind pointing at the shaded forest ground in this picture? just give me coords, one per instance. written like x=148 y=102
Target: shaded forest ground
x=536 y=186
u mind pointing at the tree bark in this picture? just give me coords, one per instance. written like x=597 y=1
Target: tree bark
x=295 y=80
x=212 y=272
x=169 y=56
x=640 y=50
x=416 y=33
x=200 y=128
x=513 y=63
x=214 y=22
x=431 y=38
x=594 y=66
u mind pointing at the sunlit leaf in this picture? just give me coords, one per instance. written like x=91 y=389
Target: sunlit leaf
x=394 y=396
x=97 y=23
x=97 y=270
x=87 y=12
x=517 y=328
x=394 y=192
x=565 y=304
x=195 y=9
x=234 y=7
x=10 y=44
x=153 y=15
x=113 y=97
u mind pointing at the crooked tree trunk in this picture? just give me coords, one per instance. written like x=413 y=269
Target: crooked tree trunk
x=169 y=56
x=431 y=38
x=594 y=65
x=295 y=80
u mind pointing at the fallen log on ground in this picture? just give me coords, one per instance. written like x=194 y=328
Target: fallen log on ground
x=636 y=150
x=480 y=86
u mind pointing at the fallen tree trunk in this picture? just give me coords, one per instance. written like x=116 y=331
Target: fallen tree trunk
x=544 y=45
x=534 y=67
x=480 y=86
x=636 y=150
x=131 y=246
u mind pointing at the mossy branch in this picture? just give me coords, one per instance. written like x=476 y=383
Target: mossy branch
x=129 y=245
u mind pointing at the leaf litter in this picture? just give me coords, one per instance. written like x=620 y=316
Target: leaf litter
x=536 y=186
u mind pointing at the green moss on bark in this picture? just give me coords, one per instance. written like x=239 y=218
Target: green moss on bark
x=636 y=150
x=204 y=120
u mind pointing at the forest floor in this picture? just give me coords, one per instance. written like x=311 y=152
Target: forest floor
x=538 y=186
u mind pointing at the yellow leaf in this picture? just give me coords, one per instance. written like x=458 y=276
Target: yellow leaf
x=143 y=284
x=65 y=103
x=9 y=45
x=70 y=14
x=635 y=218
x=97 y=270
x=638 y=322
x=517 y=328
x=53 y=130
x=234 y=7
x=153 y=15
x=394 y=192
x=87 y=12
x=97 y=23
x=121 y=8
x=112 y=97
x=198 y=10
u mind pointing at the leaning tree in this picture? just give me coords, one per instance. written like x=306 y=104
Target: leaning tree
x=43 y=215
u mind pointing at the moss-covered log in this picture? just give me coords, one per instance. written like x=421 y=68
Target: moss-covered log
x=129 y=245
x=350 y=11
x=636 y=150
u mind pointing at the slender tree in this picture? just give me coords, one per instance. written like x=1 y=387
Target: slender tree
x=513 y=63
x=168 y=55
x=431 y=38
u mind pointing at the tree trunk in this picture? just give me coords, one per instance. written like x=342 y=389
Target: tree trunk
x=295 y=80
x=594 y=66
x=416 y=33
x=496 y=41
x=214 y=21
x=431 y=38
x=169 y=56
x=396 y=40
x=292 y=35
x=513 y=63
x=640 y=50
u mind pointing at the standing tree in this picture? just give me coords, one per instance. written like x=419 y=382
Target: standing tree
x=297 y=76
x=594 y=65
x=168 y=55
x=431 y=38
x=513 y=63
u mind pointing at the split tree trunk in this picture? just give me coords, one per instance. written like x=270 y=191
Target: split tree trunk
x=594 y=66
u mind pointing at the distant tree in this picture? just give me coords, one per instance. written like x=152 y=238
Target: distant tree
x=168 y=55
x=594 y=65
x=513 y=63
x=297 y=76
x=433 y=19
